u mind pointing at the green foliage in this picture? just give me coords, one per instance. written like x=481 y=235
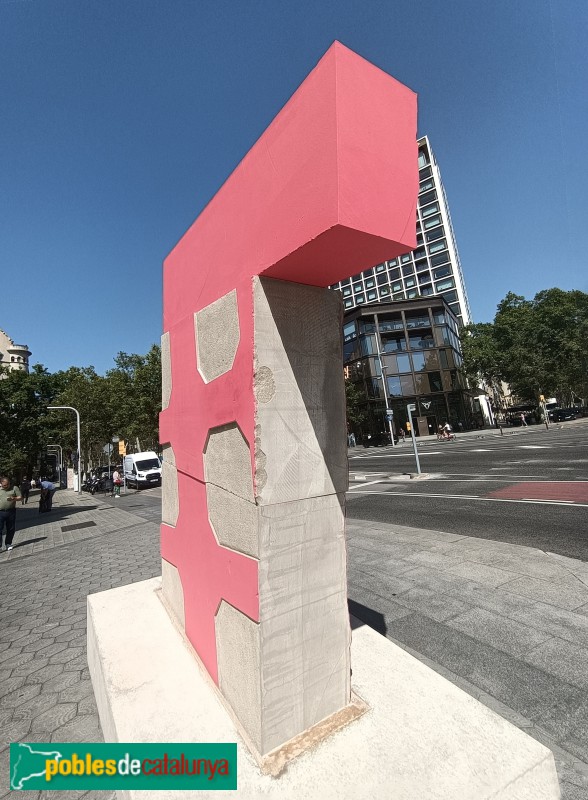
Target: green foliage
x=357 y=404
x=537 y=346
x=125 y=402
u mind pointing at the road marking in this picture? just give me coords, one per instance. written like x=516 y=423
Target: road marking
x=534 y=447
x=565 y=503
x=481 y=451
x=362 y=484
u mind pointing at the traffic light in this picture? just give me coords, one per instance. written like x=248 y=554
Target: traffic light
x=122 y=448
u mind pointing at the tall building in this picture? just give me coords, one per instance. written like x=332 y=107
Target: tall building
x=14 y=356
x=407 y=352
x=433 y=268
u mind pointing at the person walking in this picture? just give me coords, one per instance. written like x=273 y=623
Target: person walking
x=9 y=496
x=116 y=483
x=25 y=488
x=523 y=421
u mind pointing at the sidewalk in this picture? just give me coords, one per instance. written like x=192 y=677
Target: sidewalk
x=508 y=624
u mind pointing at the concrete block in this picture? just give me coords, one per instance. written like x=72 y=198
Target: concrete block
x=217 y=336
x=166 y=371
x=170 y=499
x=422 y=738
x=227 y=461
x=300 y=446
x=233 y=520
x=173 y=592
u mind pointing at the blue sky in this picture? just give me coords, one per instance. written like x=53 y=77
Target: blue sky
x=121 y=118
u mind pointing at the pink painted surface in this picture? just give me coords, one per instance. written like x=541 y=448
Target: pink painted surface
x=329 y=189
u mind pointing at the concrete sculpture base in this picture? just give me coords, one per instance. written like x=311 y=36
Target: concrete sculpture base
x=421 y=738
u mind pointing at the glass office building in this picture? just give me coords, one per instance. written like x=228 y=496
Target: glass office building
x=407 y=352
x=432 y=269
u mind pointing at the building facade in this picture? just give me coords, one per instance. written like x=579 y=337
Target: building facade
x=13 y=356
x=407 y=352
x=434 y=268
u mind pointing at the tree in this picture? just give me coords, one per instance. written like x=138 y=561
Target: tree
x=537 y=346
x=357 y=404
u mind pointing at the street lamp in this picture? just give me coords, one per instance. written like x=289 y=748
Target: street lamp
x=77 y=413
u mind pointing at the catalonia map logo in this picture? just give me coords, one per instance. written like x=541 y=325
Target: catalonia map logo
x=57 y=766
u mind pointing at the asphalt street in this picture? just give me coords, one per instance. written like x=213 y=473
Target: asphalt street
x=528 y=487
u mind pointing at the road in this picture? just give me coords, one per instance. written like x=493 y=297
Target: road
x=528 y=487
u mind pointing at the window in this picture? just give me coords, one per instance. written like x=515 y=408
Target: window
x=382 y=280
x=439 y=317
x=441 y=245
x=390 y=322
x=394 y=388
x=411 y=294
x=360 y=298
x=431 y=359
x=394 y=273
x=442 y=272
x=374 y=388
x=423 y=158
x=408 y=269
x=345 y=282
x=357 y=287
x=421 y=341
x=435 y=381
x=367 y=345
x=365 y=326
x=393 y=263
x=450 y=297
x=396 y=287
x=425 y=185
x=444 y=361
x=369 y=284
x=403 y=363
x=372 y=295
x=448 y=283
x=442 y=335
x=428 y=197
x=424 y=277
x=422 y=383
x=349 y=331
x=419 y=253
x=405 y=258
x=409 y=282
x=426 y=172
x=407 y=385
x=428 y=210
x=367 y=273
x=384 y=291
x=348 y=304
x=399 y=296
x=347 y=291
x=417 y=321
x=380 y=268
x=440 y=258
x=426 y=290
x=422 y=264
x=390 y=363
x=432 y=223
x=391 y=344
x=418 y=360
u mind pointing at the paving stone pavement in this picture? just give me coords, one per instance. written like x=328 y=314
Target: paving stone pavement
x=483 y=614
x=45 y=689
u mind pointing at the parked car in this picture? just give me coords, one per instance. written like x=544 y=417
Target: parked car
x=563 y=414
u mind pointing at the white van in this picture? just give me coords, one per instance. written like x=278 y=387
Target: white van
x=142 y=469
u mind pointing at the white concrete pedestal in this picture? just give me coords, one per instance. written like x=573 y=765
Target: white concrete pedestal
x=422 y=739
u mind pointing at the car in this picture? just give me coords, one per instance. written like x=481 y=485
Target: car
x=564 y=414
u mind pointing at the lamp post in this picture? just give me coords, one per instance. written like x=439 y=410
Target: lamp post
x=389 y=412
x=77 y=413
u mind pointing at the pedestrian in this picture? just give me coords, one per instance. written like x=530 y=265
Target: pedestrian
x=9 y=496
x=402 y=435
x=116 y=482
x=33 y=483
x=25 y=488
x=523 y=420
x=46 y=499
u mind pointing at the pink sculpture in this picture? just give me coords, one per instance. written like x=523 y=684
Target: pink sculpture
x=253 y=420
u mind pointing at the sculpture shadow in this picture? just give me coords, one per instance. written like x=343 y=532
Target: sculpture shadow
x=362 y=615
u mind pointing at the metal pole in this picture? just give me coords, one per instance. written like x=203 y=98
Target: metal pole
x=411 y=407
x=386 y=398
x=77 y=413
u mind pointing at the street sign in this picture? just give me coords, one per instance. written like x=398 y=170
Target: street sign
x=122 y=448
x=389 y=416
x=411 y=407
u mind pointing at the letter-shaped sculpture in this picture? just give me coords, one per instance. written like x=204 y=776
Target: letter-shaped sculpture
x=253 y=420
